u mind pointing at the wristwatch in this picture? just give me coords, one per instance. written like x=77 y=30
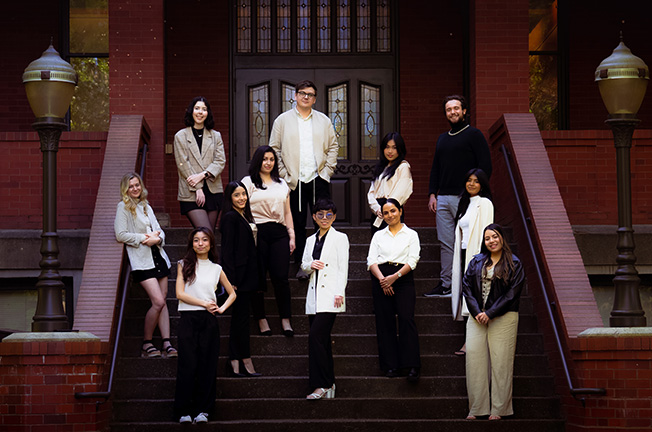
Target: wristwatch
x=399 y=274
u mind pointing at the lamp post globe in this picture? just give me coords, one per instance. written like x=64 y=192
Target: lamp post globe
x=622 y=79
x=50 y=84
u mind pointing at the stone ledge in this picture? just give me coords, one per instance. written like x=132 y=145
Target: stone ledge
x=51 y=337
x=616 y=332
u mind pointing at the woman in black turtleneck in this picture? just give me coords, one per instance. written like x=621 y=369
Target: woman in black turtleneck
x=199 y=153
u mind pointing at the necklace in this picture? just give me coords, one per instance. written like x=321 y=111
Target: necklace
x=455 y=133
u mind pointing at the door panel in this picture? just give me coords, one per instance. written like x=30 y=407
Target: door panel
x=359 y=120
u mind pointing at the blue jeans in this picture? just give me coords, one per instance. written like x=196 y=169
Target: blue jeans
x=446 y=210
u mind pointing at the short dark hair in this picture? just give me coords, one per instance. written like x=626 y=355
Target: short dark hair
x=305 y=84
x=324 y=204
x=209 y=123
x=462 y=99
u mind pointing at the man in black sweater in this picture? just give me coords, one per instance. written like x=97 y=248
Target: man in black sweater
x=459 y=150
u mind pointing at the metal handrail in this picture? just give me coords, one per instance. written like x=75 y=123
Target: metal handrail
x=125 y=287
x=573 y=391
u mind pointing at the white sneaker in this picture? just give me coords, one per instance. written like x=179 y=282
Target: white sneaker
x=201 y=418
x=185 y=419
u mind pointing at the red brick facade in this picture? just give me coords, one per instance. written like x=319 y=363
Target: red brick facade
x=38 y=382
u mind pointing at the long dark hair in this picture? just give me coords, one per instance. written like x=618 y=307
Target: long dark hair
x=257 y=163
x=190 y=259
x=382 y=160
x=505 y=266
x=188 y=120
x=227 y=205
x=465 y=197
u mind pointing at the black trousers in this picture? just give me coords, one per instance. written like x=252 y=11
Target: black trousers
x=199 y=347
x=320 y=353
x=402 y=351
x=307 y=195
x=239 y=332
x=273 y=256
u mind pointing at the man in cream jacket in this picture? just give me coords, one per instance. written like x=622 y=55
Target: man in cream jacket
x=306 y=149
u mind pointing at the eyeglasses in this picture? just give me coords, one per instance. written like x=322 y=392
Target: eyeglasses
x=322 y=215
x=306 y=95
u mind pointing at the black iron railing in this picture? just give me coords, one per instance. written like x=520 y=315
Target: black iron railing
x=575 y=391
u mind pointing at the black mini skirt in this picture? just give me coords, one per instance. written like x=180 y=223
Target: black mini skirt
x=159 y=271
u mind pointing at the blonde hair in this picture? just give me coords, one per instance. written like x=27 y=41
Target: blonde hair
x=131 y=203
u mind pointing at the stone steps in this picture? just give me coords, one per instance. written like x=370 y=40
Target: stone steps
x=366 y=400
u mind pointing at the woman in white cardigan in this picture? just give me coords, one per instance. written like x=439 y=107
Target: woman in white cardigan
x=136 y=226
x=474 y=213
x=326 y=260
x=392 y=178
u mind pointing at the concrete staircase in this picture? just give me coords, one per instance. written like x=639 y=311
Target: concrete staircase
x=366 y=400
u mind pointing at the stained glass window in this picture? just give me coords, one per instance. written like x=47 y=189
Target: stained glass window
x=383 y=26
x=337 y=111
x=364 y=30
x=311 y=26
x=258 y=117
x=343 y=26
x=283 y=34
x=303 y=26
x=244 y=26
x=324 y=26
x=264 y=26
x=370 y=116
x=288 y=102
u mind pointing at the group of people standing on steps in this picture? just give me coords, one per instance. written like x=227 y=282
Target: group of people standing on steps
x=263 y=224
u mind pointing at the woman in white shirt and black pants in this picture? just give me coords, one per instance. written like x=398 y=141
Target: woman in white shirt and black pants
x=393 y=255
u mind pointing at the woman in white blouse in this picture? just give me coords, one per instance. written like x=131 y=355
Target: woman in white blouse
x=136 y=226
x=392 y=178
x=474 y=212
x=269 y=196
x=393 y=255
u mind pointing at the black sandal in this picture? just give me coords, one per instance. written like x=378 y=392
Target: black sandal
x=169 y=351
x=150 y=351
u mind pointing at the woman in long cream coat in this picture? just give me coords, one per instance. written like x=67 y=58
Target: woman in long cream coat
x=326 y=260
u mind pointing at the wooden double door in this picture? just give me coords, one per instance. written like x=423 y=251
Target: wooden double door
x=360 y=102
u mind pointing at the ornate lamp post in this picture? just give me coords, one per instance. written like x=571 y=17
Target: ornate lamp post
x=622 y=78
x=49 y=83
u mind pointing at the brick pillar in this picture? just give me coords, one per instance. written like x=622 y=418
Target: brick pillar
x=137 y=76
x=499 y=68
x=619 y=360
x=39 y=375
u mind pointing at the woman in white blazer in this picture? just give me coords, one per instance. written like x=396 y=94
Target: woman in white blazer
x=392 y=178
x=136 y=226
x=474 y=212
x=326 y=260
x=199 y=154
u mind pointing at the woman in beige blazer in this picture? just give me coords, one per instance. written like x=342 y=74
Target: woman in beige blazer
x=199 y=154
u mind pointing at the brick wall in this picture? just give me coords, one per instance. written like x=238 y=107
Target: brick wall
x=196 y=65
x=79 y=161
x=29 y=34
x=499 y=60
x=137 y=77
x=622 y=365
x=428 y=72
x=584 y=163
x=38 y=381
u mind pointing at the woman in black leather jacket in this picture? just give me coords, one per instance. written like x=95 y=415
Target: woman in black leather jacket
x=492 y=288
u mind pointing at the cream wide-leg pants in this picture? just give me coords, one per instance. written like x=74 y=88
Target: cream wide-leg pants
x=491 y=348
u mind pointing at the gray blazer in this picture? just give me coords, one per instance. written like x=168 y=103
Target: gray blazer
x=190 y=161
